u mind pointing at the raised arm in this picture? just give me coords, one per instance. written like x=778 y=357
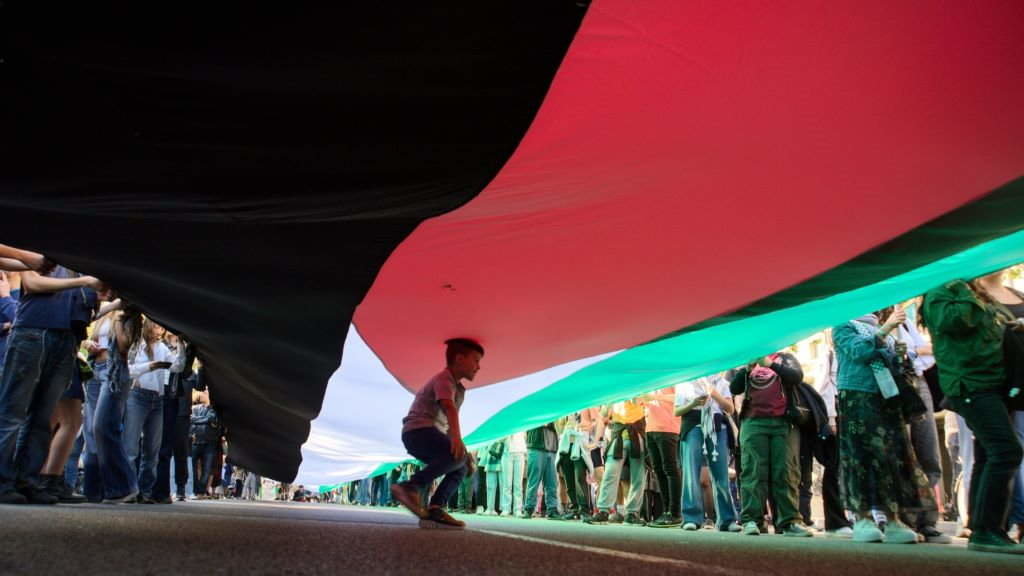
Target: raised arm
x=13 y=265
x=858 y=347
x=31 y=282
x=953 y=309
x=31 y=260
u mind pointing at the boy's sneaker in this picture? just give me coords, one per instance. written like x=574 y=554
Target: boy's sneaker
x=553 y=515
x=993 y=542
x=666 y=521
x=524 y=515
x=690 y=527
x=634 y=519
x=866 y=530
x=438 y=518
x=751 y=529
x=615 y=518
x=734 y=527
x=795 y=530
x=129 y=498
x=13 y=497
x=408 y=496
x=570 y=516
x=897 y=532
x=932 y=535
x=600 y=518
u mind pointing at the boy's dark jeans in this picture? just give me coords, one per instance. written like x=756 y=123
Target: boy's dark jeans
x=434 y=449
x=997 y=455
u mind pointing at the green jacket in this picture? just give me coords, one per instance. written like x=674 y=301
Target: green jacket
x=967 y=341
x=854 y=353
x=542 y=438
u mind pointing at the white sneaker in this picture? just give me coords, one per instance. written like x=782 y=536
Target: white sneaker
x=865 y=530
x=899 y=533
x=844 y=533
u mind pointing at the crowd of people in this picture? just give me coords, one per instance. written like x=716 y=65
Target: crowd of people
x=738 y=451
x=98 y=401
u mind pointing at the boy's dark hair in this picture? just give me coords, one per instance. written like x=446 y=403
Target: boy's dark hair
x=463 y=346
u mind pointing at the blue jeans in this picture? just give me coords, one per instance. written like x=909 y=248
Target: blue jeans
x=691 y=454
x=37 y=370
x=71 y=467
x=92 y=484
x=143 y=430
x=117 y=473
x=433 y=448
x=540 y=469
x=174 y=444
x=204 y=458
x=513 y=467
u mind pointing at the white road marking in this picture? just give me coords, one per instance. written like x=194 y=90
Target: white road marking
x=701 y=568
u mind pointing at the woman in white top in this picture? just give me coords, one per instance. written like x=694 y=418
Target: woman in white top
x=150 y=363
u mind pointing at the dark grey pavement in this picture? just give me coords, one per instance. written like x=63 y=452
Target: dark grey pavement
x=207 y=538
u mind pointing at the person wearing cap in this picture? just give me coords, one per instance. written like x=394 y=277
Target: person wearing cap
x=432 y=434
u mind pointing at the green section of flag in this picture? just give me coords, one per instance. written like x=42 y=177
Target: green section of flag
x=722 y=346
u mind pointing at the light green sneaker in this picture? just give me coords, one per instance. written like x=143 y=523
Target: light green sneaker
x=751 y=529
x=796 y=530
x=897 y=532
x=866 y=530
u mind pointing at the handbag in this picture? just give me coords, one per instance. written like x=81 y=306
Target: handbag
x=801 y=414
x=911 y=404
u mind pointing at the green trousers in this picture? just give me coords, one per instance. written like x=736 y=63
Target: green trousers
x=769 y=469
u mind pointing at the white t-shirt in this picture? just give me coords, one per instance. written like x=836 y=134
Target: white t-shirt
x=517 y=443
x=687 y=392
x=154 y=380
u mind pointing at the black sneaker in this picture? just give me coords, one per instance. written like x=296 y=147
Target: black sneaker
x=615 y=518
x=179 y=498
x=525 y=515
x=570 y=516
x=666 y=521
x=600 y=518
x=933 y=535
x=634 y=519
x=66 y=494
x=37 y=496
x=13 y=497
x=438 y=518
x=554 y=515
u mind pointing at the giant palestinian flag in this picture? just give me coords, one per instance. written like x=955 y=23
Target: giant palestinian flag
x=611 y=197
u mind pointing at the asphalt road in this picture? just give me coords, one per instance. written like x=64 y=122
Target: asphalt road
x=207 y=538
